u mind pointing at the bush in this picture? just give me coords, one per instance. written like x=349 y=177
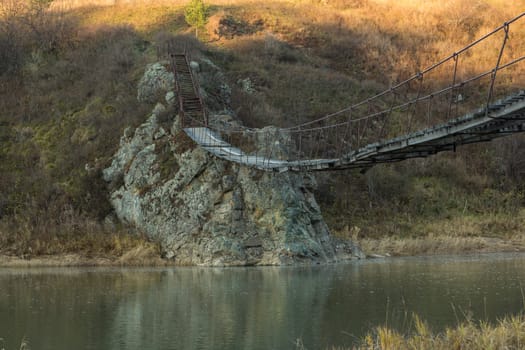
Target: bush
x=27 y=27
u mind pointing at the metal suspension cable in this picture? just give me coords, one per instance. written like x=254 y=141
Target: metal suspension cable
x=407 y=104
x=416 y=76
x=376 y=114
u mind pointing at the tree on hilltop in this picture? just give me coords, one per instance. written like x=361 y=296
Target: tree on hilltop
x=196 y=13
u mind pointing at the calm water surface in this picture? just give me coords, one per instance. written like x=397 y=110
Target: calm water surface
x=250 y=308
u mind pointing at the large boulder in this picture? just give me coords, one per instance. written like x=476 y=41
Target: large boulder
x=208 y=211
x=155 y=82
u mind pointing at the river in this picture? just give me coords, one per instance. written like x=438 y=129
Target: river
x=250 y=308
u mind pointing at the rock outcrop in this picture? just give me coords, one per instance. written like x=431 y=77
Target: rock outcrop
x=207 y=211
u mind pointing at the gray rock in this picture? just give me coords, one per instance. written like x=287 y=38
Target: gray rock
x=158 y=110
x=195 y=66
x=129 y=147
x=155 y=82
x=207 y=211
x=246 y=85
x=171 y=98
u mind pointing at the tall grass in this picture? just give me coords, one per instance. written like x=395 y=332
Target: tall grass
x=24 y=344
x=62 y=88
x=507 y=333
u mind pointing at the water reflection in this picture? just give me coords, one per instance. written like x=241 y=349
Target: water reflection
x=254 y=308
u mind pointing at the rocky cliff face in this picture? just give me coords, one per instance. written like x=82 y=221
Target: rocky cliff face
x=207 y=211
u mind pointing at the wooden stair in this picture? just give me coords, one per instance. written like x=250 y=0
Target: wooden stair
x=191 y=108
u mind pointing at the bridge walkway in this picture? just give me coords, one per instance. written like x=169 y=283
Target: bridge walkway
x=504 y=117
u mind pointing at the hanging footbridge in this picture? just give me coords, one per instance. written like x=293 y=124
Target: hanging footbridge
x=474 y=95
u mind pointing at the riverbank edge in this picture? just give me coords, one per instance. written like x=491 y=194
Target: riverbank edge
x=374 y=248
x=440 y=245
x=78 y=260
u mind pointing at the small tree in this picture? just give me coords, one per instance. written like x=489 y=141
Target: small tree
x=196 y=14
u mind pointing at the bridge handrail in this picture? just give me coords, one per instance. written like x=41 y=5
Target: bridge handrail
x=418 y=75
x=409 y=103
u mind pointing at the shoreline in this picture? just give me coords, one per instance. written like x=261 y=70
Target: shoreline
x=440 y=245
x=77 y=260
x=373 y=248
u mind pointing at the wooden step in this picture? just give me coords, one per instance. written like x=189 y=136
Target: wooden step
x=191 y=104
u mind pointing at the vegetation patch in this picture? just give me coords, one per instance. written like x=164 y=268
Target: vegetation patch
x=222 y=25
x=166 y=161
x=183 y=143
x=508 y=333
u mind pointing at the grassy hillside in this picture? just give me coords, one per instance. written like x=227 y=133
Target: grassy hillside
x=68 y=89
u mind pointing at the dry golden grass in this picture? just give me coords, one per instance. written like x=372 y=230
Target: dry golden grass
x=76 y=244
x=508 y=333
x=144 y=18
x=149 y=259
x=457 y=235
x=443 y=244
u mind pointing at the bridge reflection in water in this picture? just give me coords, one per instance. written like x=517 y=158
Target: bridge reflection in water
x=435 y=110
